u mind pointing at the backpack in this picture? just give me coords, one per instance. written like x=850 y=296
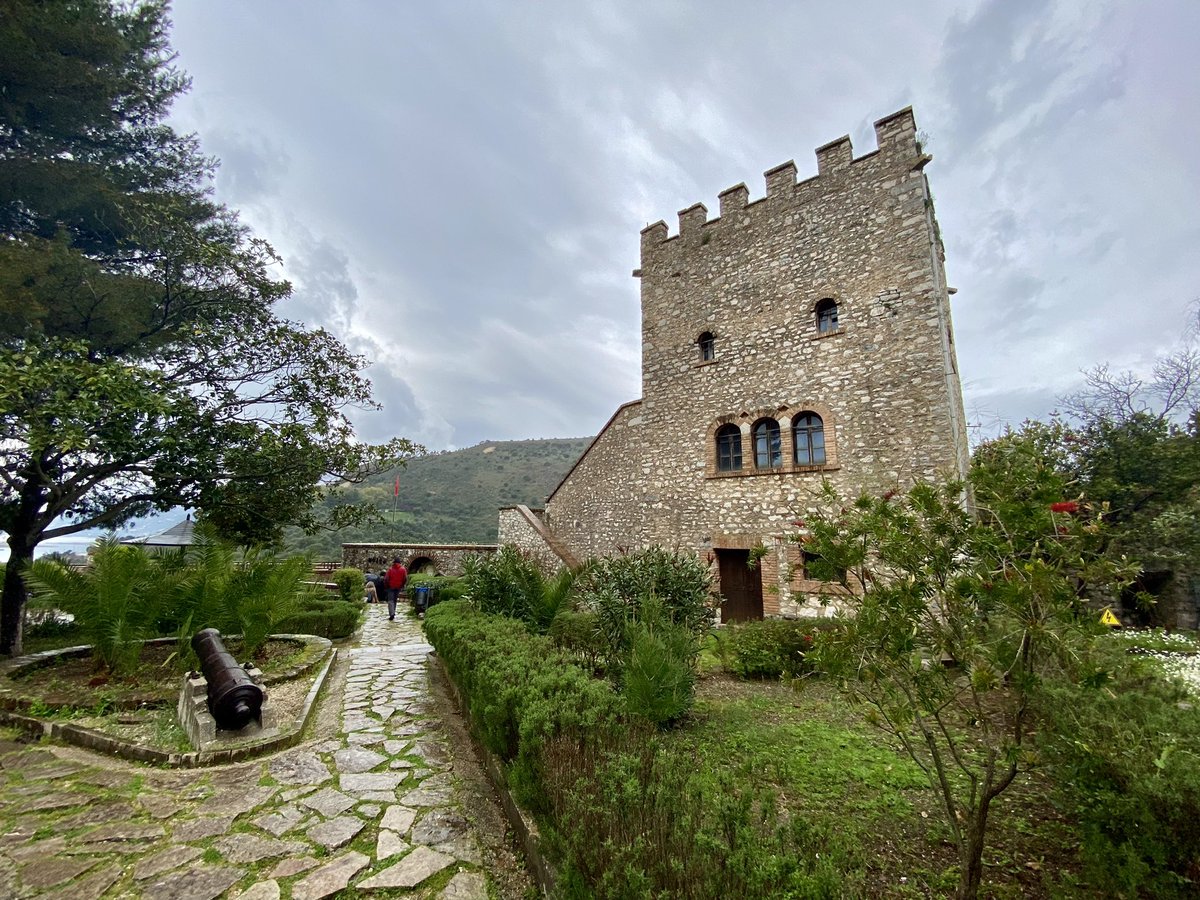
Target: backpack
x=396 y=577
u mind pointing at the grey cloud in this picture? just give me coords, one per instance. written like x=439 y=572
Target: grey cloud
x=252 y=166
x=457 y=189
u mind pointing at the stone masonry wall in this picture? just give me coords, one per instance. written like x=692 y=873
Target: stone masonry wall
x=861 y=232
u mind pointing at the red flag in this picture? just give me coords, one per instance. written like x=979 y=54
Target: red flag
x=396 y=488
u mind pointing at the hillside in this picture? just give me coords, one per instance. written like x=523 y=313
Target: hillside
x=452 y=497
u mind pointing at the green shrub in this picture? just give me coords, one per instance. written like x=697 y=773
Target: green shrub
x=1125 y=741
x=634 y=817
x=45 y=629
x=519 y=689
x=626 y=815
x=771 y=648
x=333 y=619
x=443 y=587
x=350 y=582
x=262 y=591
x=658 y=679
x=578 y=633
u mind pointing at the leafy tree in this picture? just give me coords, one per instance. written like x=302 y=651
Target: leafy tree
x=142 y=363
x=958 y=613
x=1135 y=446
x=1147 y=470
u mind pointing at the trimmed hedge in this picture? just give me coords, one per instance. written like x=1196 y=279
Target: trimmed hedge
x=623 y=812
x=333 y=619
x=518 y=688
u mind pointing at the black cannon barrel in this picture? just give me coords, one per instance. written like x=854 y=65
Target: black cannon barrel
x=233 y=699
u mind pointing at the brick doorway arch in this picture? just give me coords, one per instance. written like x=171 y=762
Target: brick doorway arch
x=422 y=565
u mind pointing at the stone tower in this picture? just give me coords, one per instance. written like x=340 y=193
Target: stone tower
x=801 y=337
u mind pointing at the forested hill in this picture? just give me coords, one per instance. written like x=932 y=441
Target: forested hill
x=453 y=496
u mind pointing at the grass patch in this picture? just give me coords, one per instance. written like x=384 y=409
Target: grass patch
x=866 y=804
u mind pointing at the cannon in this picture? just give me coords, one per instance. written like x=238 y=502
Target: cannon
x=233 y=699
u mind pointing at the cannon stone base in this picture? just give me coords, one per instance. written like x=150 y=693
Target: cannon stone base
x=198 y=722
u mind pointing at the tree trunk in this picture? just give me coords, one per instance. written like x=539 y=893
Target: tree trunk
x=970 y=860
x=12 y=604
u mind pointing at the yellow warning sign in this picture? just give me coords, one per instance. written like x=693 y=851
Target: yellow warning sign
x=1107 y=618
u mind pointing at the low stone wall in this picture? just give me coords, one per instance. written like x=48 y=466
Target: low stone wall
x=14 y=711
x=439 y=559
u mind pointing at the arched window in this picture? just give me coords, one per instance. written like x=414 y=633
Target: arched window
x=768 y=452
x=827 y=316
x=808 y=437
x=729 y=448
x=707 y=348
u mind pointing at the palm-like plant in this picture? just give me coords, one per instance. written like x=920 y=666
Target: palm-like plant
x=198 y=597
x=263 y=591
x=115 y=602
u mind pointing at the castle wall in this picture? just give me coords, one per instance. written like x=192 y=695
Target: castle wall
x=862 y=233
x=525 y=529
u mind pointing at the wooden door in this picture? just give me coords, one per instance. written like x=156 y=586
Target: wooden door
x=741 y=587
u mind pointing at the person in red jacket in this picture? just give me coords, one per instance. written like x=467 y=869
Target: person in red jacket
x=397 y=575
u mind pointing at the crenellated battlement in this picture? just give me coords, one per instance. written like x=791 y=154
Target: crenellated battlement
x=896 y=140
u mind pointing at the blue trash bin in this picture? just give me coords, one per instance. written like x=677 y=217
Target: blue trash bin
x=421 y=597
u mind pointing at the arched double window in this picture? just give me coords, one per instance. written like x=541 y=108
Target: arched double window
x=729 y=448
x=827 y=316
x=768 y=449
x=808 y=438
x=707 y=347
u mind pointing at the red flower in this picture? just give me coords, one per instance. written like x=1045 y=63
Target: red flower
x=1066 y=506
x=1062 y=529
x=888 y=495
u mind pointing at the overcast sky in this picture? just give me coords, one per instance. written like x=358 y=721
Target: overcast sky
x=457 y=189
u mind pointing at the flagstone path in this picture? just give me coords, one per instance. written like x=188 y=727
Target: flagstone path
x=369 y=808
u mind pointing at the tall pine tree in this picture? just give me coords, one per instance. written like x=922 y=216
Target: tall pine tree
x=143 y=365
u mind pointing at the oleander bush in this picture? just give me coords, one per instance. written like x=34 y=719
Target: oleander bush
x=512 y=583
x=623 y=590
x=578 y=633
